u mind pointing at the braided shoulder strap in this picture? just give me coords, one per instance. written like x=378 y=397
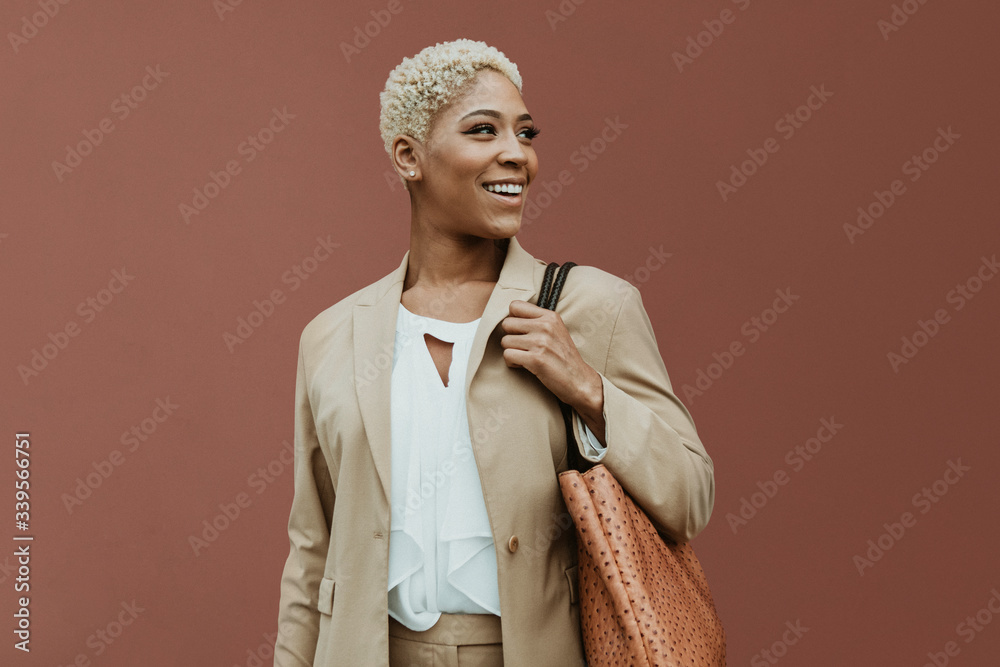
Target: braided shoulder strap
x=551 y=289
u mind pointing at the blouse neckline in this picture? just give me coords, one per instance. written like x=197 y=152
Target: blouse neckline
x=410 y=322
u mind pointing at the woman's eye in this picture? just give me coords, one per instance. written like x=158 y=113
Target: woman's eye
x=528 y=132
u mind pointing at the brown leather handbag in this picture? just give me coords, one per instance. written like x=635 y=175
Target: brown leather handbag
x=644 y=598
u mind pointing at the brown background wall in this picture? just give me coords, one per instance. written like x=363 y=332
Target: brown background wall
x=219 y=77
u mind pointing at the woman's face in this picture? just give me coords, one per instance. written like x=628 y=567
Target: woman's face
x=481 y=137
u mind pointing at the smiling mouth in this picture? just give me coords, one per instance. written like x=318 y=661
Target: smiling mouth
x=509 y=198
x=503 y=188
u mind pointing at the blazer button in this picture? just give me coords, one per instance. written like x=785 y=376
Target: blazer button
x=512 y=543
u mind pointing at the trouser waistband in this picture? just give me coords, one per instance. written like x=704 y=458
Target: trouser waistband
x=453 y=630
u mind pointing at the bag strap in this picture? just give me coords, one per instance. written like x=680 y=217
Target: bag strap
x=549 y=296
x=552 y=288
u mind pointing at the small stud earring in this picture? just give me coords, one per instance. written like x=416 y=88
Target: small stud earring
x=413 y=173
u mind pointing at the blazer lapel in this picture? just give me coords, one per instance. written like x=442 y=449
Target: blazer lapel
x=375 y=316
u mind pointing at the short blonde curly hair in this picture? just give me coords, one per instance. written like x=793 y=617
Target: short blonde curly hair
x=420 y=86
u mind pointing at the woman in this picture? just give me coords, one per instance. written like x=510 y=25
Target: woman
x=429 y=528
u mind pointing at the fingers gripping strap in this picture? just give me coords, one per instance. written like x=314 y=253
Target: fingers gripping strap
x=548 y=298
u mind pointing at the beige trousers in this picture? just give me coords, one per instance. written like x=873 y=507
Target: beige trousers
x=456 y=640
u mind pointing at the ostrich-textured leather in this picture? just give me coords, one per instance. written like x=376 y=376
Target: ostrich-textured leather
x=644 y=600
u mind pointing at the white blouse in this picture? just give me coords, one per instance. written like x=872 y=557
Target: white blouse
x=441 y=553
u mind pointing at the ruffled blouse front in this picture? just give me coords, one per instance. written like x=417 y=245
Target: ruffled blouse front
x=441 y=553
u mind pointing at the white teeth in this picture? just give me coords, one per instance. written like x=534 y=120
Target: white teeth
x=504 y=187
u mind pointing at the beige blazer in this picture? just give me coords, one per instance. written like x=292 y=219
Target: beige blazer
x=334 y=604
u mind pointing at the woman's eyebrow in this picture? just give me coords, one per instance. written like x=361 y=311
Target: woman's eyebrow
x=494 y=114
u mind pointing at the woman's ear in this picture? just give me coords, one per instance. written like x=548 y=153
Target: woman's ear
x=405 y=151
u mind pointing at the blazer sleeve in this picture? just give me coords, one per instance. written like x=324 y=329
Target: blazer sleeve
x=308 y=537
x=653 y=449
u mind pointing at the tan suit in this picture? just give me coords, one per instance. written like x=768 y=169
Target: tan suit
x=334 y=604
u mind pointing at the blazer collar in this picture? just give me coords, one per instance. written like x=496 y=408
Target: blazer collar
x=375 y=315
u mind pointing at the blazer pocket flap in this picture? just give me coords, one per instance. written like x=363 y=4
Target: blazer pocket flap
x=325 y=603
x=574 y=583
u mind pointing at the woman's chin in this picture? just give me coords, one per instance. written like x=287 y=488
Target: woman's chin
x=508 y=228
